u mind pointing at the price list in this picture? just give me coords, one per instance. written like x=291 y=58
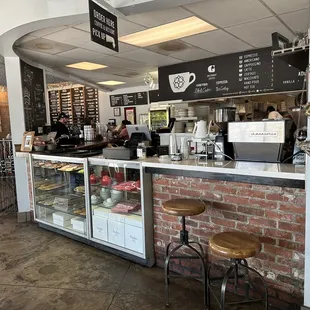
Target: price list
x=54 y=101
x=91 y=100
x=256 y=72
x=78 y=105
x=65 y=103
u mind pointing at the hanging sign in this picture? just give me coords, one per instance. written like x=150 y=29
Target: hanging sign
x=103 y=26
x=239 y=74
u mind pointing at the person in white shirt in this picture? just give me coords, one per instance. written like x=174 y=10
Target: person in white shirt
x=273 y=114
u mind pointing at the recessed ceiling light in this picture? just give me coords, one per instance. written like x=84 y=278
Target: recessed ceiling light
x=86 y=66
x=111 y=83
x=172 y=31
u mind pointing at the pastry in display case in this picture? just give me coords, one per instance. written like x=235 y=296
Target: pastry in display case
x=59 y=193
x=116 y=206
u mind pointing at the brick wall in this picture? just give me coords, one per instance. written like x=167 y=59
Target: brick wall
x=276 y=215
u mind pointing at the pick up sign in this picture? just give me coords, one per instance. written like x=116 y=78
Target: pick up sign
x=103 y=26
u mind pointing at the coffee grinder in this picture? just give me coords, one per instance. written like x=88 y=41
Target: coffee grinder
x=221 y=145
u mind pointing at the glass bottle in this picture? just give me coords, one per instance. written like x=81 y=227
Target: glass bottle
x=141 y=151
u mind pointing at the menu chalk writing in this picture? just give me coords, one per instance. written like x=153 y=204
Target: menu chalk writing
x=66 y=104
x=54 y=103
x=91 y=100
x=131 y=99
x=103 y=26
x=33 y=96
x=78 y=103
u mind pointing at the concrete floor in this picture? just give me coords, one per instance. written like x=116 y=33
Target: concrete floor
x=40 y=270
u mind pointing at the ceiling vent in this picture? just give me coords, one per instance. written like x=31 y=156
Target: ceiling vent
x=173 y=46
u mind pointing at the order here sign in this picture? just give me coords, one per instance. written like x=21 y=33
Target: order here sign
x=103 y=26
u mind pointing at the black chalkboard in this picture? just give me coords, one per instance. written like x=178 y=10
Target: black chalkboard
x=33 y=96
x=91 y=101
x=154 y=96
x=54 y=103
x=239 y=74
x=131 y=99
x=78 y=105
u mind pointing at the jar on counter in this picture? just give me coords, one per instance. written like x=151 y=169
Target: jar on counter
x=141 y=151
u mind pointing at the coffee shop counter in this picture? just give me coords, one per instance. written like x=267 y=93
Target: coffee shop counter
x=265 y=199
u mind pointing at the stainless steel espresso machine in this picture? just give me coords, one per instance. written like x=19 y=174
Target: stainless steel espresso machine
x=263 y=141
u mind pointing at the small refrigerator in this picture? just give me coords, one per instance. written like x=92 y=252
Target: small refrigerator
x=159 y=117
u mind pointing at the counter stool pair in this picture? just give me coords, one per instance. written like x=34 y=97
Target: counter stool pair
x=236 y=246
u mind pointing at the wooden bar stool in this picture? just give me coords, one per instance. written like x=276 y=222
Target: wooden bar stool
x=183 y=208
x=237 y=246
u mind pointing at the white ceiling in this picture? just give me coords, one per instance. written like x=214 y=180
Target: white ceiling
x=242 y=25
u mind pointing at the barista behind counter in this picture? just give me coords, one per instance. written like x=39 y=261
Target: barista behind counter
x=60 y=126
x=62 y=131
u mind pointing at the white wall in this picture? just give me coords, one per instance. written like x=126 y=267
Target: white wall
x=106 y=111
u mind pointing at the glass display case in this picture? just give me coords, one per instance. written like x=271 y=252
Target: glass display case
x=102 y=202
x=117 y=205
x=59 y=193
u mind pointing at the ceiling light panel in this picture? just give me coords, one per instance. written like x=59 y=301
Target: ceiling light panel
x=111 y=83
x=86 y=66
x=175 y=30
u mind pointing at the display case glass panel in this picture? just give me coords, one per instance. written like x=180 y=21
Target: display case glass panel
x=116 y=206
x=59 y=194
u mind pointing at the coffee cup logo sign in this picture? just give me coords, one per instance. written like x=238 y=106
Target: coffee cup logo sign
x=179 y=82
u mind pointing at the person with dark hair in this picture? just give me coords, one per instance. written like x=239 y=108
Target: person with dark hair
x=124 y=133
x=273 y=114
x=60 y=127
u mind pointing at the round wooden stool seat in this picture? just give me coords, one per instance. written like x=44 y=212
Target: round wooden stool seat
x=238 y=245
x=184 y=207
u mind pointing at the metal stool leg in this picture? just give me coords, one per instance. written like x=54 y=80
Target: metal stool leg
x=223 y=286
x=167 y=280
x=208 y=287
x=263 y=281
x=204 y=279
x=200 y=247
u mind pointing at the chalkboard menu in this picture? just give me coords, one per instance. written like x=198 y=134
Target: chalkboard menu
x=78 y=102
x=239 y=74
x=131 y=99
x=78 y=105
x=154 y=96
x=54 y=102
x=33 y=96
x=91 y=100
x=65 y=103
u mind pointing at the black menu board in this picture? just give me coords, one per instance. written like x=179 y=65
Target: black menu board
x=91 y=101
x=78 y=105
x=33 y=96
x=239 y=74
x=131 y=99
x=154 y=96
x=65 y=103
x=54 y=103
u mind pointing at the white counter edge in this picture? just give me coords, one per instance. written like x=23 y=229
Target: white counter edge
x=223 y=170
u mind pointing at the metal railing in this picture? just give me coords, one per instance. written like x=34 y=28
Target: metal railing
x=8 y=199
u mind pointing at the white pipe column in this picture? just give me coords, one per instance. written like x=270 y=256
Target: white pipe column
x=17 y=119
x=307 y=224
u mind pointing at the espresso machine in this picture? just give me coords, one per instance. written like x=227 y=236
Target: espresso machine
x=261 y=141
